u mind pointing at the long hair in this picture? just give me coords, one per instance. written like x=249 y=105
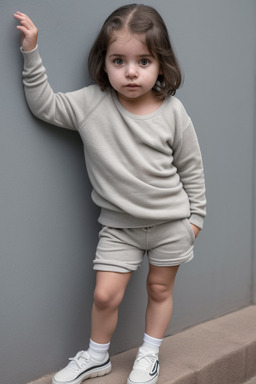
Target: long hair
x=139 y=19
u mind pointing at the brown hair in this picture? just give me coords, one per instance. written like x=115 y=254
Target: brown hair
x=140 y=19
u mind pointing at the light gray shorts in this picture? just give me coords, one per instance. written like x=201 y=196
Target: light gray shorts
x=123 y=249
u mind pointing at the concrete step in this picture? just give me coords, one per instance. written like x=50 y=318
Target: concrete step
x=220 y=351
x=251 y=381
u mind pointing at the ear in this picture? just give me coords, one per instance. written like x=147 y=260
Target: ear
x=104 y=66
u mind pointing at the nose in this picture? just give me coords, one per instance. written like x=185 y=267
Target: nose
x=131 y=71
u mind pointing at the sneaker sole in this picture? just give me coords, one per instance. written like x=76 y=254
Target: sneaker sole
x=96 y=372
x=154 y=381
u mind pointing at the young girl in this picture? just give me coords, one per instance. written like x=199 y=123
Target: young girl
x=145 y=166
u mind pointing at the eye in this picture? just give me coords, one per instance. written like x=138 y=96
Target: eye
x=144 y=62
x=118 y=61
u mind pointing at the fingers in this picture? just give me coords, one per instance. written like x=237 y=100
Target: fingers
x=29 y=31
x=25 y=20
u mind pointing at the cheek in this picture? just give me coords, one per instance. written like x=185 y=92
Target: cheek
x=112 y=78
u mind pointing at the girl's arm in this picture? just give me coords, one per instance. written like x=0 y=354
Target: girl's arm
x=188 y=161
x=64 y=110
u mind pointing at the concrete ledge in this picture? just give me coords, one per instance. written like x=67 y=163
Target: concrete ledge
x=221 y=351
x=251 y=381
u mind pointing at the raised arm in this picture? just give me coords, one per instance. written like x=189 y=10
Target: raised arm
x=61 y=109
x=29 y=32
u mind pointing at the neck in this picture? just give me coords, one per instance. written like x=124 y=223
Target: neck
x=141 y=106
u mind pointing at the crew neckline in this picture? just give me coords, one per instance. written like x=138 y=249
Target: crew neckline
x=133 y=115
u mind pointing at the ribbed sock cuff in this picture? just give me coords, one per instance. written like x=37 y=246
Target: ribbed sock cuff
x=99 y=347
x=98 y=351
x=151 y=344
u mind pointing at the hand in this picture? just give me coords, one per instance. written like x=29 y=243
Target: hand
x=29 y=31
x=196 y=230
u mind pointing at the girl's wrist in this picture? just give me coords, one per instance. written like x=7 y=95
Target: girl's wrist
x=28 y=50
x=196 y=230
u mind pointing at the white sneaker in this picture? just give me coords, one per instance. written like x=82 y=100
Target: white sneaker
x=145 y=369
x=82 y=367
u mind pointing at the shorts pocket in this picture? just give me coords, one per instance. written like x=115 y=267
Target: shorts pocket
x=189 y=229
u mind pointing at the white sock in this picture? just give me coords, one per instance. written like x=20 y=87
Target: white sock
x=151 y=344
x=98 y=351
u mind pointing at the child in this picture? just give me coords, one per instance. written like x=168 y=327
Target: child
x=145 y=166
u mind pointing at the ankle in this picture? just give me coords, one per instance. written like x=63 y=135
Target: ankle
x=151 y=344
x=98 y=351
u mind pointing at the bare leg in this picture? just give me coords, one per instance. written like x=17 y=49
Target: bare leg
x=160 y=284
x=108 y=294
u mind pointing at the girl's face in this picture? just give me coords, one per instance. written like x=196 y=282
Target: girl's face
x=132 y=71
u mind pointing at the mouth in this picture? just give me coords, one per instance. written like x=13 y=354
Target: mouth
x=132 y=85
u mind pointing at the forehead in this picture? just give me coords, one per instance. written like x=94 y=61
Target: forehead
x=125 y=39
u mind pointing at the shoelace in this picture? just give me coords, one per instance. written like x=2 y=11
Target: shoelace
x=77 y=362
x=145 y=360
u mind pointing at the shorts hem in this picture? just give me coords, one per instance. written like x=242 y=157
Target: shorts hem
x=113 y=268
x=173 y=263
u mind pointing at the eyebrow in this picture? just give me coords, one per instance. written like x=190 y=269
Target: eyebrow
x=120 y=54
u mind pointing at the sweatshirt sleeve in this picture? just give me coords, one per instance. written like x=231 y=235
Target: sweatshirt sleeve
x=60 y=109
x=188 y=161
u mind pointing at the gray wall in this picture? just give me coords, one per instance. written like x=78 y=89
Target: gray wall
x=48 y=224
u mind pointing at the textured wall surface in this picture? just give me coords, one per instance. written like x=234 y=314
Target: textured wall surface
x=48 y=224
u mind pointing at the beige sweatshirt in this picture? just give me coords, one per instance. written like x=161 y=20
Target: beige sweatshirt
x=144 y=170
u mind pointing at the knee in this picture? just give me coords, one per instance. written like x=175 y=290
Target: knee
x=104 y=299
x=158 y=292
